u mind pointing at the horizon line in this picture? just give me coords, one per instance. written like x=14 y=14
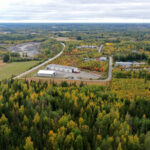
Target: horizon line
x=78 y=22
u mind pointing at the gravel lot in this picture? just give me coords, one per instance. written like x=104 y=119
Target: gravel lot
x=31 y=49
x=82 y=75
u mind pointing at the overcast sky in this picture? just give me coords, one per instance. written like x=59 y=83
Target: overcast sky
x=75 y=11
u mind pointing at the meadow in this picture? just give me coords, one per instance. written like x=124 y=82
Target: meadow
x=7 y=70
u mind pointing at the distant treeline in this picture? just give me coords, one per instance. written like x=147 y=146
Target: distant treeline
x=130 y=57
x=141 y=74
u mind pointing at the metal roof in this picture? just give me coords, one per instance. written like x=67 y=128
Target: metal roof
x=124 y=63
x=46 y=72
x=103 y=58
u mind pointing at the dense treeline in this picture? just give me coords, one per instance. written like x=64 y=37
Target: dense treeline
x=130 y=57
x=50 y=47
x=20 y=38
x=132 y=74
x=15 y=57
x=49 y=116
x=15 y=37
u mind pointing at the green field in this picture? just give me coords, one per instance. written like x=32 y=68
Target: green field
x=15 y=68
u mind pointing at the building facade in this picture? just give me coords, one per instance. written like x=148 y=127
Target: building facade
x=46 y=73
x=62 y=68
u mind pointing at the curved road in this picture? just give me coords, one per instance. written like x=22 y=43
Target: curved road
x=41 y=65
x=51 y=59
x=110 y=70
x=100 y=48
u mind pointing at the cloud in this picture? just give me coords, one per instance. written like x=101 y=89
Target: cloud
x=74 y=11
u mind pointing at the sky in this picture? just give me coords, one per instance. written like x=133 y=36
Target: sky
x=75 y=11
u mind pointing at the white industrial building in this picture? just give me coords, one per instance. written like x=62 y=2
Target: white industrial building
x=87 y=46
x=62 y=68
x=103 y=58
x=129 y=64
x=46 y=73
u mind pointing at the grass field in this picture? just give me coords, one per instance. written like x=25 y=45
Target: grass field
x=15 y=68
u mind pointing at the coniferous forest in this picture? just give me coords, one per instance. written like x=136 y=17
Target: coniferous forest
x=44 y=116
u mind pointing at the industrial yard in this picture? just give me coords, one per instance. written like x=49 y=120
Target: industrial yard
x=26 y=49
x=77 y=76
x=66 y=72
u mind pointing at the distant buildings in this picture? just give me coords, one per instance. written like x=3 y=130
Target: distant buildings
x=134 y=51
x=103 y=58
x=88 y=59
x=87 y=46
x=95 y=59
x=5 y=32
x=62 y=68
x=129 y=64
x=46 y=73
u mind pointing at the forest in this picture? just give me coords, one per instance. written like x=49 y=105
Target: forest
x=141 y=74
x=50 y=116
x=50 y=48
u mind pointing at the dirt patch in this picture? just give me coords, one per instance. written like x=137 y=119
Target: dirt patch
x=2 y=63
x=31 y=49
x=64 y=39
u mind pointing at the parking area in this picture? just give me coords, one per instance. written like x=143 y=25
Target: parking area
x=82 y=75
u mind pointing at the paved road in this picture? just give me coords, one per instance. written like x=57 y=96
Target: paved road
x=41 y=65
x=101 y=46
x=110 y=69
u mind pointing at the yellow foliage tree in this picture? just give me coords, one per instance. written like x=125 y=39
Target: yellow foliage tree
x=28 y=144
x=36 y=118
x=119 y=147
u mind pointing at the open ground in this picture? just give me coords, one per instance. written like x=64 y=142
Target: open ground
x=7 y=70
x=31 y=49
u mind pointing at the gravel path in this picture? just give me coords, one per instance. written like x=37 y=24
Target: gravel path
x=100 y=49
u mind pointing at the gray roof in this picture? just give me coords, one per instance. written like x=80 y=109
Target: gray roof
x=103 y=58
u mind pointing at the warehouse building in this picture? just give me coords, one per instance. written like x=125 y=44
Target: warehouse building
x=103 y=58
x=87 y=46
x=129 y=64
x=46 y=73
x=124 y=64
x=62 y=68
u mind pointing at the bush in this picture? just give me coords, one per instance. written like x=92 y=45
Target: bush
x=6 y=58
